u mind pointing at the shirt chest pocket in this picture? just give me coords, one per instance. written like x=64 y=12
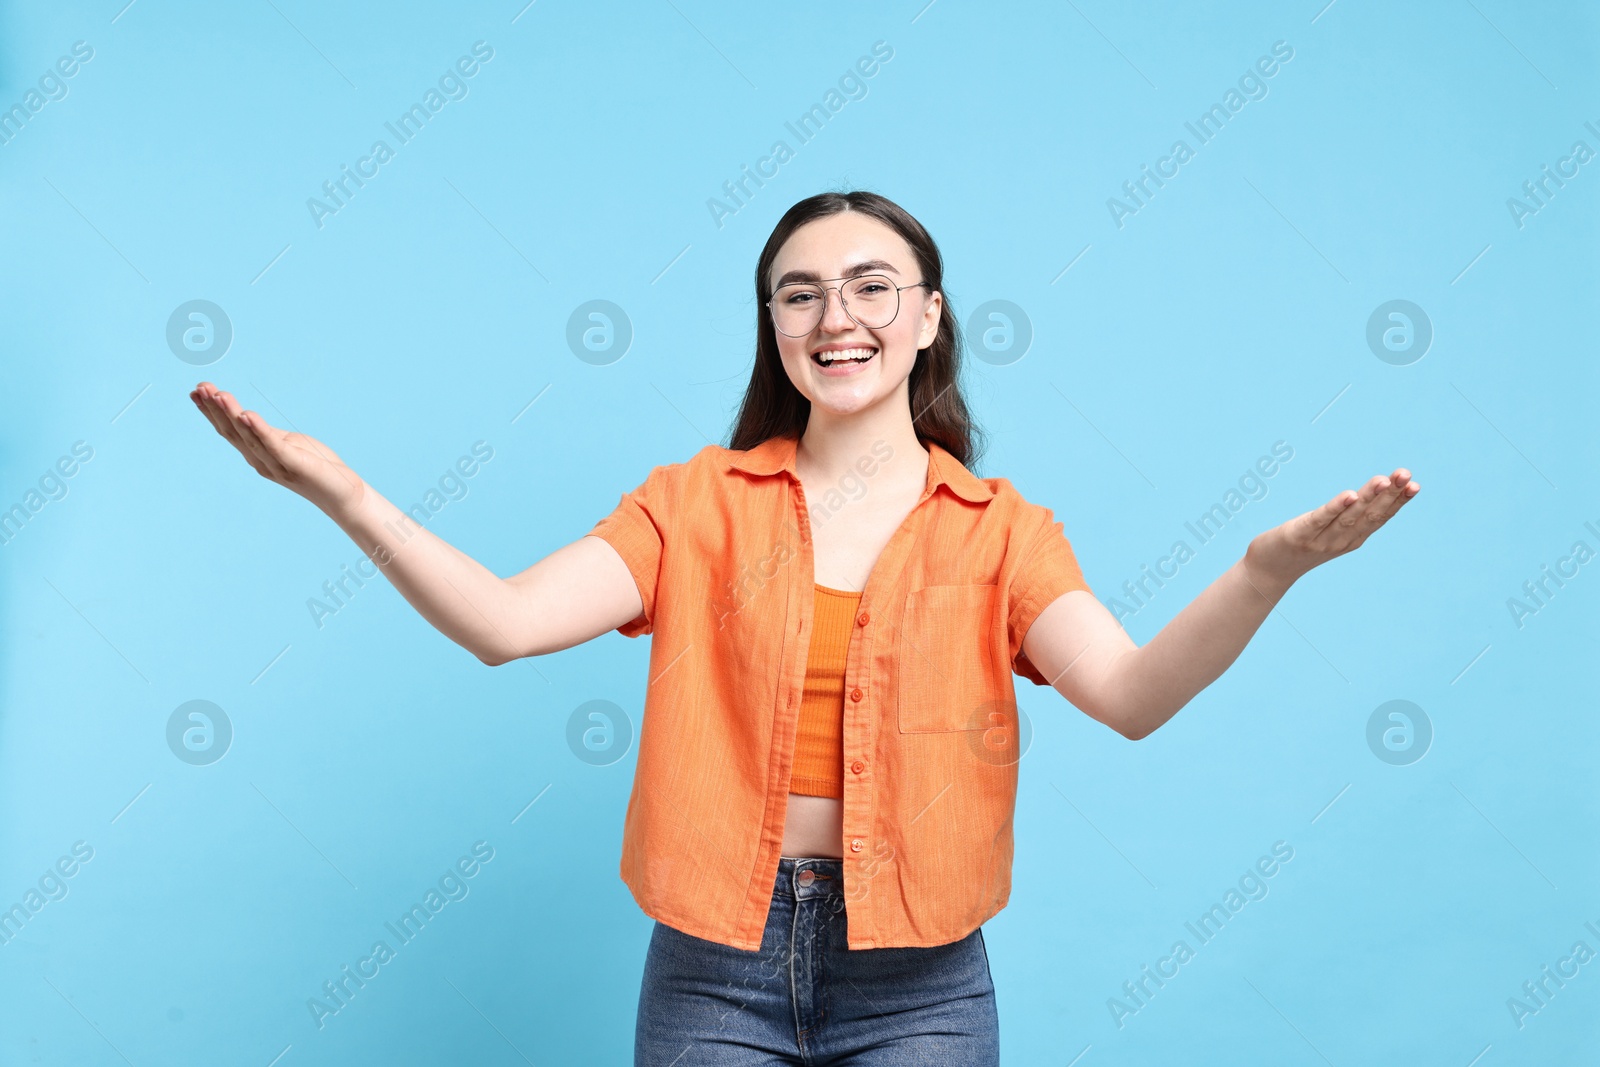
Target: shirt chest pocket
x=947 y=671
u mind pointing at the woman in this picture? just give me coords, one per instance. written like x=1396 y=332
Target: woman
x=820 y=819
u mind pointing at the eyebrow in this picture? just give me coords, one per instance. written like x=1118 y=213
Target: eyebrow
x=871 y=266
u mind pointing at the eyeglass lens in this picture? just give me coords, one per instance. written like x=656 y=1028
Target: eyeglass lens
x=872 y=300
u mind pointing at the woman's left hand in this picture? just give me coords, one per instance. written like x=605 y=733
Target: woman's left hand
x=1281 y=555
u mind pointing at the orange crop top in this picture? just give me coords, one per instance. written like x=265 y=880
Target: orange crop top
x=818 y=769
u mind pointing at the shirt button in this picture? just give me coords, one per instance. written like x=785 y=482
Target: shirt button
x=863 y=619
x=858 y=766
x=855 y=845
x=855 y=694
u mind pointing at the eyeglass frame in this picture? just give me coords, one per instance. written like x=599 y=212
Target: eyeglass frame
x=898 y=289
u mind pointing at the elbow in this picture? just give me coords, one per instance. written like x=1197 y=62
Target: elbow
x=499 y=657
x=493 y=657
x=502 y=648
x=1129 y=723
x=1126 y=725
x=1120 y=710
x=1139 y=727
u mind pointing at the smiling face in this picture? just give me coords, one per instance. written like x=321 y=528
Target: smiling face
x=840 y=246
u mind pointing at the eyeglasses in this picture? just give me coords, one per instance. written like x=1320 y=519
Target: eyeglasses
x=872 y=301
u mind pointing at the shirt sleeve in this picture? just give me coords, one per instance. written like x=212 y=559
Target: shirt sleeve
x=637 y=530
x=1049 y=569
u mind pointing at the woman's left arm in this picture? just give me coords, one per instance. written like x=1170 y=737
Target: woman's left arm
x=1088 y=658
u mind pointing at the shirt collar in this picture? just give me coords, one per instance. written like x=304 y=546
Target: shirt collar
x=777 y=454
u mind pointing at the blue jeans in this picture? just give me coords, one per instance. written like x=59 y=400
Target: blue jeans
x=806 y=998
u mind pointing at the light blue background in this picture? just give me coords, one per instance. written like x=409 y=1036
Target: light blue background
x=1228 y=314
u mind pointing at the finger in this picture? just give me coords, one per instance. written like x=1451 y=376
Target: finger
x=274 y=440
x=1365 y=518
x=249 y=424
x=226 y=423
x=1376 y=486
x=211 y=404
x=1389 y=500
x=1392 y=499
x=202 y=399
x=205 y=411
x=248 y=438
x=194 y=395
x=219 y=419
x=256 y=434
x=225 y=429
x=1329 y=513
x=1361 y=511
x=1370 y=495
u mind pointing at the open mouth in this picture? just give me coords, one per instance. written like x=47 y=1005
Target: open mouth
x=846 y=355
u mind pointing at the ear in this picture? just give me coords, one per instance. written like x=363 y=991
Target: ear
x=930 y=320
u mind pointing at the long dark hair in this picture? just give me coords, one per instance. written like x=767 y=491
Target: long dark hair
x=773 y=407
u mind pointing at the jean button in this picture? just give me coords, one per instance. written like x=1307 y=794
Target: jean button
x=807 y=877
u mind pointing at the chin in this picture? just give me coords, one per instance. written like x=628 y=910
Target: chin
x=850 y=407
x=845 y=396
x=840 y=403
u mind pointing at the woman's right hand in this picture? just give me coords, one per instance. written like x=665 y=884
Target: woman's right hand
x=299 y=463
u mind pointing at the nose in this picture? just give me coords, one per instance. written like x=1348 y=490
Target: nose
x=834 y=317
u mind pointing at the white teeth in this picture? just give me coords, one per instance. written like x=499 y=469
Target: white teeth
x=853 y=355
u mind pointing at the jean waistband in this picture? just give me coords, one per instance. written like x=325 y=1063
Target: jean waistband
x=801 y=878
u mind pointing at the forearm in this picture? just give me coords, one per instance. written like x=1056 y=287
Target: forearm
x=462 y=598
x=1155 y=680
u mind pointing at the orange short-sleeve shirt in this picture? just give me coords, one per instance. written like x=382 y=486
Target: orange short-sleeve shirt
x=720 y=547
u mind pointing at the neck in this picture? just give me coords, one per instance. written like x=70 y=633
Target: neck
x=832 y=445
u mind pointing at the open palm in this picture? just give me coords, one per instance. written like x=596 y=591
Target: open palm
x=1341 y=525
x=295 y=461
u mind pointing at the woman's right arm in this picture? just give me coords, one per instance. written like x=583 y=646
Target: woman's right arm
x=574 y=594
